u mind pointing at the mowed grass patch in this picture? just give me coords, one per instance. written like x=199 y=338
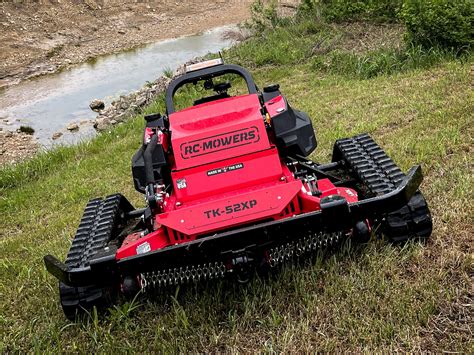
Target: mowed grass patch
x=372 y=298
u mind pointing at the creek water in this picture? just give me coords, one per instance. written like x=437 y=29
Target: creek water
x=49 y=103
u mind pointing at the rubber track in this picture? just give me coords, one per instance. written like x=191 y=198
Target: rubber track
x=96 y=229
x=381 y=175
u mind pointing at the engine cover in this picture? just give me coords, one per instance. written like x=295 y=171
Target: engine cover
x=218 y=130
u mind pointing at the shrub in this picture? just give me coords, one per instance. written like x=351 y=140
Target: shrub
x=367 y=10
x=444 y=23
x=27 y=129
x=263 y=15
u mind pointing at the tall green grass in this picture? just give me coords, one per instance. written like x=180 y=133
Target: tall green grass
x=310 y=36
x=382 y=61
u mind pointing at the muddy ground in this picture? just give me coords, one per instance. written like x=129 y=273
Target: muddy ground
x=47 y=36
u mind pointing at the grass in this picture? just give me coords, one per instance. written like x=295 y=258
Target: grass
x=367 y=298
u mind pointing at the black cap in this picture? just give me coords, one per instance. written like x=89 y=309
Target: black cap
x=152 y=117
x=271 y=88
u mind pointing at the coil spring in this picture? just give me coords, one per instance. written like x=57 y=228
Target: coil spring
x=182 y=275
x=308 y=244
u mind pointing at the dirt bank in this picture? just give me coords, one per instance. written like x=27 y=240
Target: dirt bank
x=47 y=36
x=16 y=146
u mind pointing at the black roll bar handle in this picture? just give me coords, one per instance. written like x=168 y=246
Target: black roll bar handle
x=207 y=73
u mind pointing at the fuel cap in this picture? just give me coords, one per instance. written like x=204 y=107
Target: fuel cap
x=271 y=88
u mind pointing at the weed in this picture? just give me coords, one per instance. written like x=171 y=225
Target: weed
x=27 y=129
x=168 y=72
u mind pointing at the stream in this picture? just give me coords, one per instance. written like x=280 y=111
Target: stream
x=49 y=103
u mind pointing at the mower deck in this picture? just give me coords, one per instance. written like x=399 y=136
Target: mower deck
x=335 y=216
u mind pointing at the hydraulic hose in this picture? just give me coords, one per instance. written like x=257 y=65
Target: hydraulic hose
x=148 y=160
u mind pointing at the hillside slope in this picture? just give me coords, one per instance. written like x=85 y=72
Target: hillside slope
x=375 y=297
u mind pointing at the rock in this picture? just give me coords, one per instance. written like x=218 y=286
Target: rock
x=122 y=32
x=97 y=105
x=124 y=105
x=8 y=134
x=83 y=122
x=141 y=102
x=101 y=123
x=56 y=135
x=127 y=106
x=72 y=127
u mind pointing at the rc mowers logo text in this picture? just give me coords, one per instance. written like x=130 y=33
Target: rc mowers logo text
x=220 y=142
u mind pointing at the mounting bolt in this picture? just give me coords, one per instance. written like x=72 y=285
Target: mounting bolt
x=283 y=178
x=279 y=197
x=182 y=221
x=178 y=204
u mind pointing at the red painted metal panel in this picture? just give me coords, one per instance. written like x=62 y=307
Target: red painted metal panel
x=227 y=175
x=275 y=106
x=218 y=130
x=136 y=244
x=247 y=205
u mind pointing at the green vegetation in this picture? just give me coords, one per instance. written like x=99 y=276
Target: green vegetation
x=373 y=298
x=27 y=129
x=365 y=10
x=434 y=33
x=378 y=62
x=168 y=72
x=443 y=23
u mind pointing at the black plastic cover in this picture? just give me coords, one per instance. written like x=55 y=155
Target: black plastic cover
x=160 y=167
x=294 y=132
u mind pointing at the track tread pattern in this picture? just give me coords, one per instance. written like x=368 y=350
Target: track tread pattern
x=97 y=227
x=380 y=175
x=95 y=230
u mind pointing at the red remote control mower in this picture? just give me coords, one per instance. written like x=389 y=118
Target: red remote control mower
x=229 y=190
